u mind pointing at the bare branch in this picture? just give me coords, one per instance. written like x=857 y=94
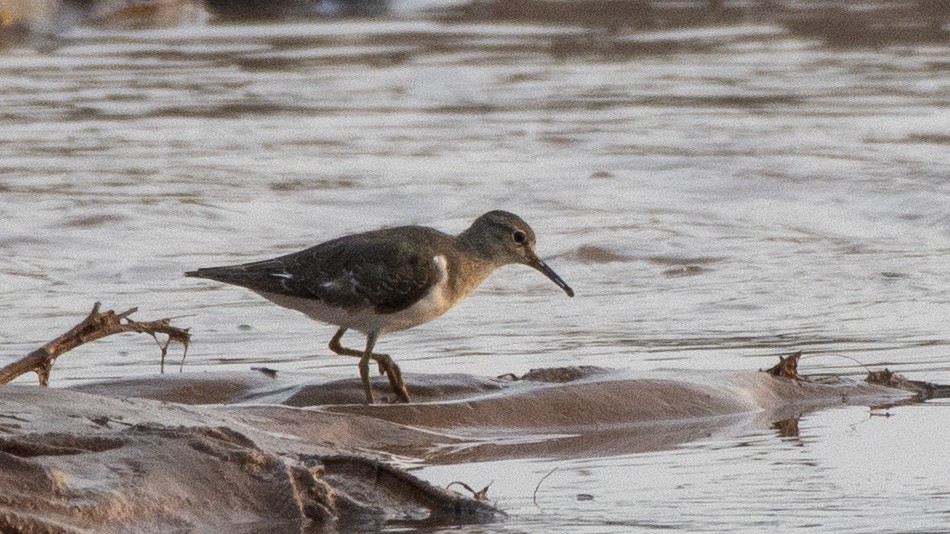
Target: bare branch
x=96 y=325
x=534 y=496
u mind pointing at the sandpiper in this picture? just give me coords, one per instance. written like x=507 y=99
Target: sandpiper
x=388 y=280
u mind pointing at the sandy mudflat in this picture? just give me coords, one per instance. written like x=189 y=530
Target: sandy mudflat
x=235 y=452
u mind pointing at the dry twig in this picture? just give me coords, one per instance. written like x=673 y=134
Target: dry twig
x=534 y=496
x=481 y=495
x=96 y=325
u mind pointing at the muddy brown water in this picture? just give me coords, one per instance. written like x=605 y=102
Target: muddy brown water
x=735 y=194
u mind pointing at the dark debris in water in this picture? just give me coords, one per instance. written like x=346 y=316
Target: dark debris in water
x=556 y=375
x=922 y=390
x=480 y=495
x=787 y=367
x=267 y=371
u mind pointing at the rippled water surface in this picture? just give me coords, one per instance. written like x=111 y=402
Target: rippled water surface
x=741 y=194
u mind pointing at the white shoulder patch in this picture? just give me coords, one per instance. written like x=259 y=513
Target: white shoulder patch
x=443 y=266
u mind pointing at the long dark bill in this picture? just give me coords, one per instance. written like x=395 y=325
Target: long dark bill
x=547 y=271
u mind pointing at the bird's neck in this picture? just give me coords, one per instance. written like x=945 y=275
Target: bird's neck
x=472 y=267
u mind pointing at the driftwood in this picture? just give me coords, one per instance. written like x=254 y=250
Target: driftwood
x=96 y=325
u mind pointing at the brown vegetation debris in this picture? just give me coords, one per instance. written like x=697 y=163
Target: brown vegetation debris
x=561 y=375
x=786 y=367
x=923 y=390
x=96 y=325
x=480 y=495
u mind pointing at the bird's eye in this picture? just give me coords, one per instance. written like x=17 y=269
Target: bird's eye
x=519 y=237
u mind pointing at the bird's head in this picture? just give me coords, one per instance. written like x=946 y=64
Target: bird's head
x=506 y=239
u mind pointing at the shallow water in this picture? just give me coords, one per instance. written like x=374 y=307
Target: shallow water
x=715 y=205
x=840 y=474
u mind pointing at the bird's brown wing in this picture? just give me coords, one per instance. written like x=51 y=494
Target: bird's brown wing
x=366 y=271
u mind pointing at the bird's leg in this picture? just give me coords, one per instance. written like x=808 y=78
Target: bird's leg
x=395 y=377
x=337 y=348
x=364 y=366
x=386 y=364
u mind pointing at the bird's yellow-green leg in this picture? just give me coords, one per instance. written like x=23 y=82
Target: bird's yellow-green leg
x=364 y=366
x=395 y=378
x=338 y=348
x=386 y=364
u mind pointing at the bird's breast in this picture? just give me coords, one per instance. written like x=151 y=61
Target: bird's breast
x=436 y=301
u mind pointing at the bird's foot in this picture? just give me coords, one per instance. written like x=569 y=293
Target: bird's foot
x=384 y=362
x=388 y=367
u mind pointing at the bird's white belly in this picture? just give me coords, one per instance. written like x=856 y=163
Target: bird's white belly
x=433 y=304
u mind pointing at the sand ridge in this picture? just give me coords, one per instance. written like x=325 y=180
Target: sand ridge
x=237 y=451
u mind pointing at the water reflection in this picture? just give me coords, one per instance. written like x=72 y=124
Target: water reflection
x=787 y=428
x=844 y=473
